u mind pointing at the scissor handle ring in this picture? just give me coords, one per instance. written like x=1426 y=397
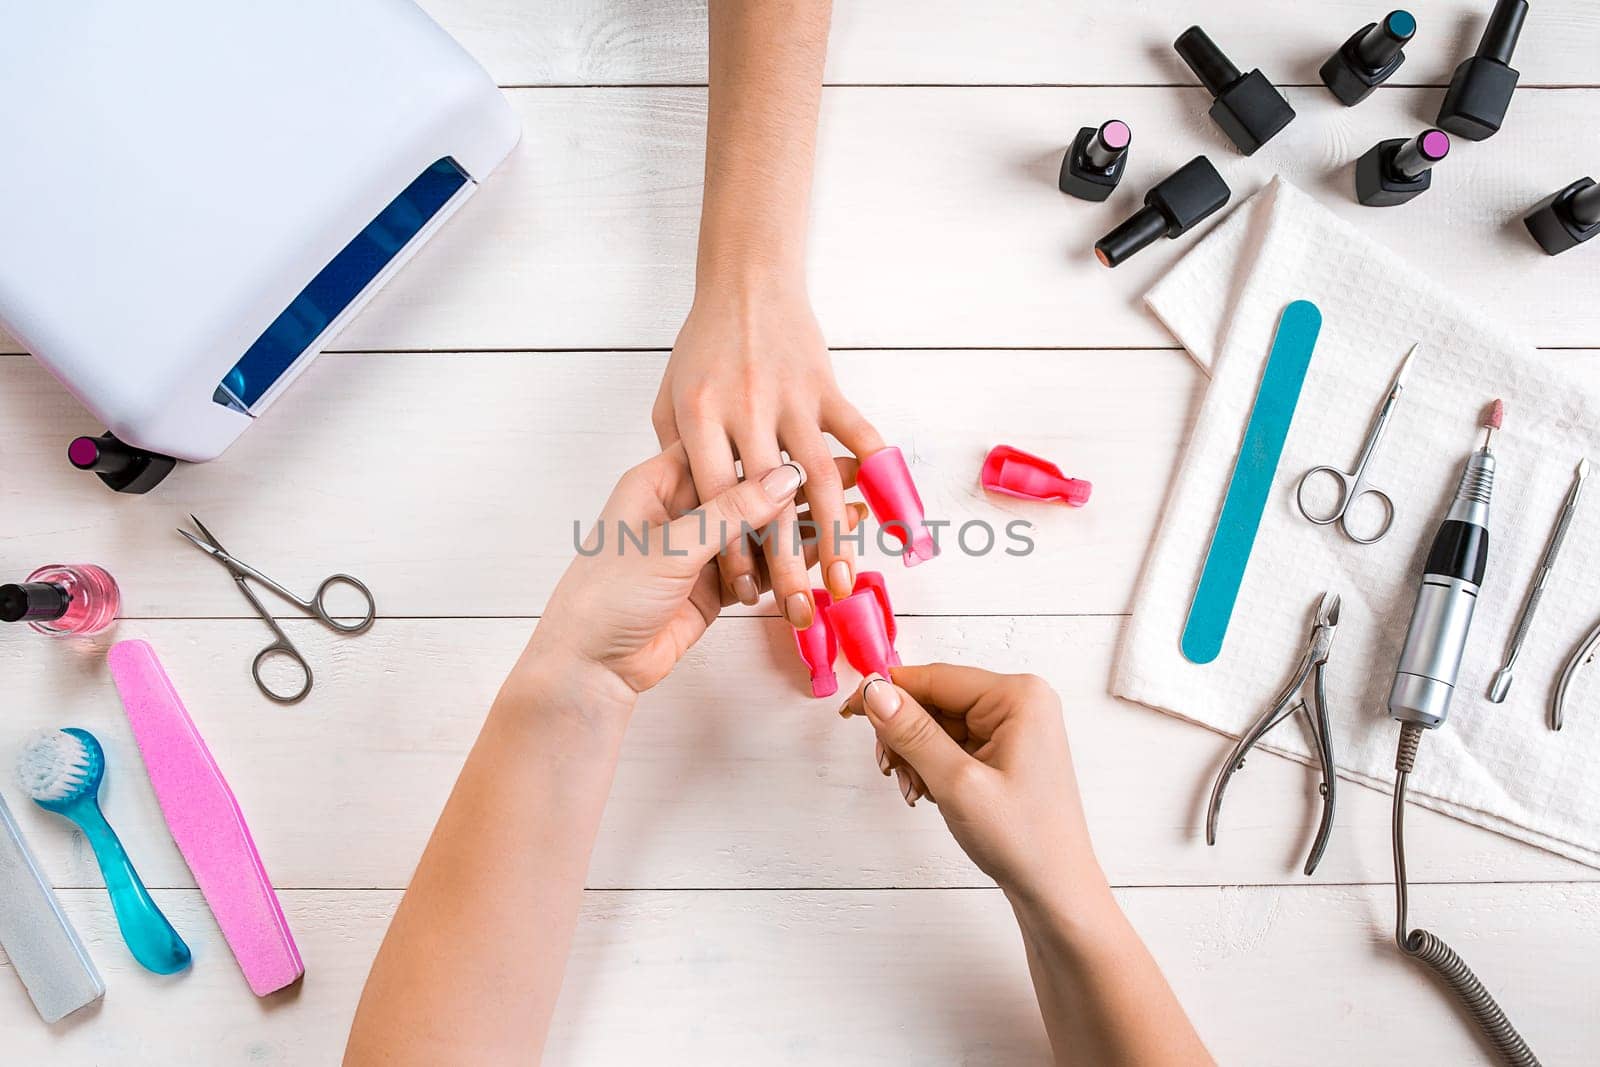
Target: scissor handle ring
x=281 y=648
x=1388 y=516
x=319 y=604
x=1345 y=483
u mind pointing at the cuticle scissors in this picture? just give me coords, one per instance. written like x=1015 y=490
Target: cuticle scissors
x=1353 y=484
x=316 y=607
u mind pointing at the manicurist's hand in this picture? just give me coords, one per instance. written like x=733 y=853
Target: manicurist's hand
x=472 y=964
x=991 y=751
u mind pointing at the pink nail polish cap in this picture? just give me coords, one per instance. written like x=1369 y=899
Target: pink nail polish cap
x=864 y=625
x=885 y=480
x=1013 y=472
x=819 y=647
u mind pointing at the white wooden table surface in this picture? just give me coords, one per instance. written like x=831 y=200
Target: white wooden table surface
x=759 y=893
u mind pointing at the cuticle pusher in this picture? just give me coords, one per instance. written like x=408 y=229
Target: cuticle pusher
x=1501 y=684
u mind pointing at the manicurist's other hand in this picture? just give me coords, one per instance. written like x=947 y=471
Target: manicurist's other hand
x=750 y=378
x=991 y=751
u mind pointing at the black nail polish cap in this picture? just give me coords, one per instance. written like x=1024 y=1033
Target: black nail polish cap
x=1246 y=106
x=121 y=466
x=1190 y=194
x=1480 y=90
x=1369 y=58
x=1394 y=172
x=1095 y=163
x=1566 y=219
x=33 y=602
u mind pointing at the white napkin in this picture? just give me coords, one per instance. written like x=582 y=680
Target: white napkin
x=1498 y=766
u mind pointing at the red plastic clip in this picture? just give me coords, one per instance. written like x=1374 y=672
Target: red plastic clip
x=864 y=625
x=819 y=647
x=1013 y=472
x=885 y=480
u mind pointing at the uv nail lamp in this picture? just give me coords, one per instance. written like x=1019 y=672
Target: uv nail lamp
x=196 y=195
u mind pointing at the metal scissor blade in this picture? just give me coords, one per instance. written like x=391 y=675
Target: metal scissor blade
x=208 y=549
x=1405 y=369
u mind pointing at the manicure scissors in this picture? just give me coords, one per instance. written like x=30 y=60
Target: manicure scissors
x=316 y=607
x=1353 y=485
x=1293 y=698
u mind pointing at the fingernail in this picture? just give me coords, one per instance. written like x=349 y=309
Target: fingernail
x=881 y=697
x=839 y=578
x=783 y=481
x=744 y=587
x=905 y=786
x=844 y=710
x=797 y=608
x=883 y=759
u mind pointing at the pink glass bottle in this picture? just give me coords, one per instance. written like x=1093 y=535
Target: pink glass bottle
x=63 y=599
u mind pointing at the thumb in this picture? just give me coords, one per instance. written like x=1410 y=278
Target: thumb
x=905 y=727
x=698 y=536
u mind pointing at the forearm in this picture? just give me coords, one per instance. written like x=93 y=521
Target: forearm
x=1103 y=998
x=472 y=964
x=765 y=91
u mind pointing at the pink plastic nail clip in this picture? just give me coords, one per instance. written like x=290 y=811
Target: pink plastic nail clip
x=886 y=482
x=819 y=647
x=863 y=624
x=1013 y=472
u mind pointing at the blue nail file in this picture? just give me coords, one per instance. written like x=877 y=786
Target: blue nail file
x=1253 y=475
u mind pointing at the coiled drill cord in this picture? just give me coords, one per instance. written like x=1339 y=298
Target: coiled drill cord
x=1425 y=947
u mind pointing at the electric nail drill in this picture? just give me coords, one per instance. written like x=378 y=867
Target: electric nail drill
x=1419 y=700
x=1369 y=58
x=1097 y=160
x=1396 y=171
x=1566 y=219
x=1481 y=88
x=1176 y=204
x=1246 y=106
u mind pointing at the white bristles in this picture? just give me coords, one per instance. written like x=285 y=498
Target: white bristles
x=53 y=766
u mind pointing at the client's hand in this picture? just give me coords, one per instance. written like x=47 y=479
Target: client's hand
x=750 y=377
x=645 y=586
x=991 y=751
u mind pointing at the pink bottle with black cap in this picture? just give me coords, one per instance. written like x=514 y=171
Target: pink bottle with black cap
x=63 y=600
x=885 y=480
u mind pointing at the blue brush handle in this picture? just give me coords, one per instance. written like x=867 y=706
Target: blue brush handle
x=150 y=937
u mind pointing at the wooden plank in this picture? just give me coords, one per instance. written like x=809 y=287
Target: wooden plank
x=895 y=976
x=412 y=471
x=573 y=42
x=731 y=777
x=938 y=222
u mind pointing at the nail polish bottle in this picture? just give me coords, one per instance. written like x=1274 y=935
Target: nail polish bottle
x=1480 y=90
x=864 y=625
x=885 y=481
x=63 y=600
x=819 y=647
x=121 y=466
x=1246 y=106
x=1393 y=172
x=1369 y=58
x=1566 y=219
x=1187 y=196
x=1095 y=164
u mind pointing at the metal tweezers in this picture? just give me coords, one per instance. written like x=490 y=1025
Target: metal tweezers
x=1314 y=704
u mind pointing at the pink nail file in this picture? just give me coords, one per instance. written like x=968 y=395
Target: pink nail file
x=205 y=821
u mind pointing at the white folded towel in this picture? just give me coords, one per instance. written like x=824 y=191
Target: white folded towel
x=1499 y=766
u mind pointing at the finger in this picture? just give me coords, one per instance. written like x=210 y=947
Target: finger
x=664 y=419
x=711 y=464
x=907 y=730
x=850 y=428
x=855 y=514
x=825 y=494
x=950 y=688
x=750 y=505
x=785 y=556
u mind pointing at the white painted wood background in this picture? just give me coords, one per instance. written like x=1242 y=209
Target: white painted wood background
x=759 y=893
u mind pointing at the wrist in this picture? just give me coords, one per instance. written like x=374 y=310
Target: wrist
x=750 y=265
x=1067 y=915
x=550 y=682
